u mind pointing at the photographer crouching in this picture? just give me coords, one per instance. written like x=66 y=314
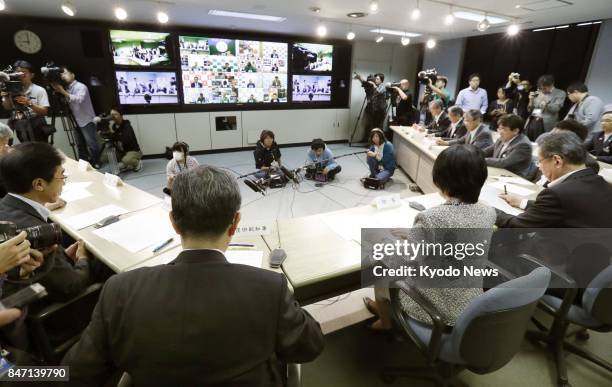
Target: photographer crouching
x=29 y=105
x=121 y=139
x=77 y=96
x=376 y=95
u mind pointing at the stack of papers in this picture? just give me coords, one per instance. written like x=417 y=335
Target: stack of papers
x=88 y=218
x=138 y=232
x=72 y=192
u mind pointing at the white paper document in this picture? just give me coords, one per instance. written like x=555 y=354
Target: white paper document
x=72 y=192
x=138 y=232
x=491 y=197
x=511 y=180
x=245 y=257
x=88 y=218
x=511 y=188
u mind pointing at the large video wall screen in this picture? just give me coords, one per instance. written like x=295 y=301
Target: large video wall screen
x=226 y=71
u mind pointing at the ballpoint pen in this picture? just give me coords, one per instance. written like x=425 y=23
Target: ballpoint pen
x=162 y=245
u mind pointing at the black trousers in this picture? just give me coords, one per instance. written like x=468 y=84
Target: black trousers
x=332 y=173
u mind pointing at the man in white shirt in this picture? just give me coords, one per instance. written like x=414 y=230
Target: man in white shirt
x=77 y=96
x=34 y=101
x=473 y=97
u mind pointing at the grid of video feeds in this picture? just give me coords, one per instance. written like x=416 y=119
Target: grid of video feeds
x=146 y=87
x=218 y=71
x=311 y=88
x=139 y=48
x=310 y=57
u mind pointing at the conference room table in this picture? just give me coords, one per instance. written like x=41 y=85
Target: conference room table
x=87 y=190
x=324 y=250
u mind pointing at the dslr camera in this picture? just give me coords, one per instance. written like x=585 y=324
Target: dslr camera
x=40 y=237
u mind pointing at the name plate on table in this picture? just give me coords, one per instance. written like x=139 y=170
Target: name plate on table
x=260 y=228
x=112 y=180
x=388 y=201
x=84 y=165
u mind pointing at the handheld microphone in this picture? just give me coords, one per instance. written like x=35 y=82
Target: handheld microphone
x=289 y=173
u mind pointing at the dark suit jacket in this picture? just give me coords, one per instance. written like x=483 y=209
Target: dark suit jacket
x=65 y=280
x=583 y=200
x=197 y=321
x=516 y=158
x=599 y=149
x=460 y=131
x=440 y=126
x=482 y=138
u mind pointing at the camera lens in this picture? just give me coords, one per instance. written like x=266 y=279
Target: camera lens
x=43 y=236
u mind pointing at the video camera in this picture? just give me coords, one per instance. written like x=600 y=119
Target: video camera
x=40 y=237
x=426 y=75
x=303 y=57
x=10 y=81
x=52 y=73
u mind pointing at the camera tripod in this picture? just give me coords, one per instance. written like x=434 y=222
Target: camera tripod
x=59 y=108
x=363 y=106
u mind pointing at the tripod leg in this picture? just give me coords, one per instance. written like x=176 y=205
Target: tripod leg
x=363 y=104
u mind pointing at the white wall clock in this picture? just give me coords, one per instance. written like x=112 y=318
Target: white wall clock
x=27 y=41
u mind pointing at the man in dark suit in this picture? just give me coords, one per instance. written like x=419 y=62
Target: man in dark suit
x=456 y=129
x=600 y=145
x=199 y=320
x=476 y=135
x=513 y=150
x=439 y=119
x=575 y=196
x=33 y=175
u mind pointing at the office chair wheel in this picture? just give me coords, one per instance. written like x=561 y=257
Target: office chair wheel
x=388 y=379
x=583 y=335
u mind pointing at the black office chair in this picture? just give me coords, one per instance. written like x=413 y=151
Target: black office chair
x=485 y=337
x=57 y=327
x=594 y=313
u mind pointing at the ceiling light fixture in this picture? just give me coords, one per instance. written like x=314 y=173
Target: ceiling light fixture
x=431 y=43
x=513 y=29
x=356 y=15
x=374 y=6
x=394 y=32
x=162 y=17
x=350 y=35
x=416 y=13
x=405 y=40
x=379 y=38
x=321 y=30
x=67 y=7
x=478 y=17
x=120 y=13
x=2 y=5
x=483 y=25
x=243 y=15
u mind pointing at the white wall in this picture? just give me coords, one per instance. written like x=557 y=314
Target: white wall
x=599 y=79
x=447 y=58
x=393 y=60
